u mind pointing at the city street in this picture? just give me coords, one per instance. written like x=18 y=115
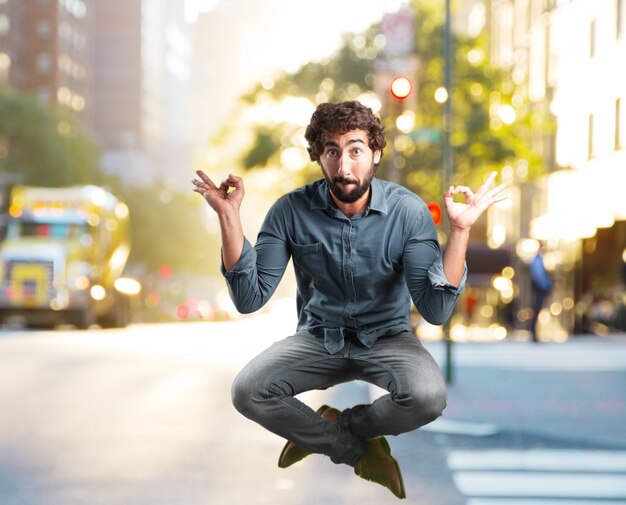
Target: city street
x=142 y=416
x=168 y=166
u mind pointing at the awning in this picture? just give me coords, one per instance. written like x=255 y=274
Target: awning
x=484 y=262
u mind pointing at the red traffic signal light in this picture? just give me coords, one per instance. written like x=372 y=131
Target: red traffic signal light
x=435 y=211
x=401 y=87
x=165 y=271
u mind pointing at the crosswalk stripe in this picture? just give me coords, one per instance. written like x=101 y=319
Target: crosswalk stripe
x=539 y=460
x=453 y=427
x=537 y=501
x=558 y=485
x=539 y=476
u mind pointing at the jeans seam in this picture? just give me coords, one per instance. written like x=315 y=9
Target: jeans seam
x=388 y=369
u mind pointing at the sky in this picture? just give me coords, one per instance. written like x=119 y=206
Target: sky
x=282 y=22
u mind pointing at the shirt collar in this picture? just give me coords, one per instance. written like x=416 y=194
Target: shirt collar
x=321 y=199
x=378 y=201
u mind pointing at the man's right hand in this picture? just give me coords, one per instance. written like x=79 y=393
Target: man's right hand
x=224 y=199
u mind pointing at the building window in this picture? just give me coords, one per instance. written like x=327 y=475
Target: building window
x=5 y=24
x=44 y=29
x=549 y=5
x=43 y=63
x=547 y=58
x=592 y=39
x=77 y=8
x=590 y=147
x=618 y=124
x=5 y=67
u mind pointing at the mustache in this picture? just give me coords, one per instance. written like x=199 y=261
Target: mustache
x=343 y=180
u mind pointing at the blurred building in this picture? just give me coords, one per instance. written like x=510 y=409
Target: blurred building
x=141 y=81
x=45 y=50
x=219 y=77
x=567 y=58
x=123 y=66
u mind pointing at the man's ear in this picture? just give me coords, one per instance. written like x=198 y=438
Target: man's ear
x=376 y=157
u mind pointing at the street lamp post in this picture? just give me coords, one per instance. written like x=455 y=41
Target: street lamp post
x=447 y=153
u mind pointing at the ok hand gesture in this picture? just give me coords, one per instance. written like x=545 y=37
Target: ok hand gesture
x=463 y=215
x=223 y=199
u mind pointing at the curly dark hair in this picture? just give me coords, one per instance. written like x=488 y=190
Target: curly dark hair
x=339 y=118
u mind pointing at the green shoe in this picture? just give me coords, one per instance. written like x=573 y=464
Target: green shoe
x=378 y=465
x=293 y=453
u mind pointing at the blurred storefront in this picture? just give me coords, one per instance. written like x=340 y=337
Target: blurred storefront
x=584 y=224
x=485 y=310
x=580 y=219
x=565 y=57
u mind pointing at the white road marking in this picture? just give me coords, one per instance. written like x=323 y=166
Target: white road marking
x=540 y=476
x=538 y=501
x=540 y=460
x=452 y=427
x=546 y=485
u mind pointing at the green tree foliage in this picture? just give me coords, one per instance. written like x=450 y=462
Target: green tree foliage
x=265 y=145
x=483 y=141
x=45 y=147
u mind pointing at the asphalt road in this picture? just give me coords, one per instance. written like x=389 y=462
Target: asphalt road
x=142 y=416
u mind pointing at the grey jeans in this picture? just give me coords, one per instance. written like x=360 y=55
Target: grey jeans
x=264 y=391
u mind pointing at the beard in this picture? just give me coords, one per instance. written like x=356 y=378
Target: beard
x=351 y=189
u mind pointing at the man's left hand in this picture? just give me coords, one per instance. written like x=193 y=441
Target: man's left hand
x=463 y=215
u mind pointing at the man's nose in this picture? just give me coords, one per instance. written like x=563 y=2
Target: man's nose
x=345 y=165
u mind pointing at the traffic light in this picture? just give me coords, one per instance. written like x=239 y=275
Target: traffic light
x=401 y=87
x=435 y=211
x=165 y=271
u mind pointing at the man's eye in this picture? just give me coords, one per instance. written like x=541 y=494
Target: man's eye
x=332 y=152
x=357 y=151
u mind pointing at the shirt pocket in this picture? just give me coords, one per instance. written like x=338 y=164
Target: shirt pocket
x=309 y=258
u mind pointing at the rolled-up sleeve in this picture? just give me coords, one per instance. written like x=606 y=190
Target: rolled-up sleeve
x=438 y=278
x=254 y=278
x=433 y=296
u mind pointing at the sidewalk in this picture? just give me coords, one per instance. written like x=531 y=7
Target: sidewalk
x=575 y=390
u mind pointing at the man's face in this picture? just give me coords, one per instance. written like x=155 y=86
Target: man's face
x=348 y=165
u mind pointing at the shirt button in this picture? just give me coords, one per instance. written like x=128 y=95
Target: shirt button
x=348 y=250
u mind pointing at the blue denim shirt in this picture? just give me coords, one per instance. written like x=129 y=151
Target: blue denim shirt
x=354 y=275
